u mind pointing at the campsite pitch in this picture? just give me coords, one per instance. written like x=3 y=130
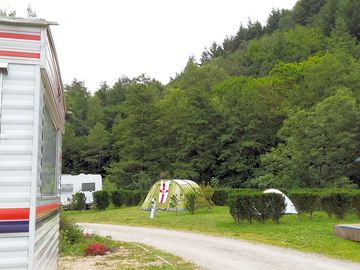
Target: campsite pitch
x=311 y=236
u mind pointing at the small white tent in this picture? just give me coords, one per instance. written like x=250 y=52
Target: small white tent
x=290 y=207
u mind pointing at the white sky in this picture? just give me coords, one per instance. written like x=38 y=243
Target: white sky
x=103 y=40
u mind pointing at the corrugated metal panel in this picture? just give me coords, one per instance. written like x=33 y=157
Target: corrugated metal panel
x=13 y=253
x=16 y=136
x=15 y=156
x=19 y=44
x=46 y=243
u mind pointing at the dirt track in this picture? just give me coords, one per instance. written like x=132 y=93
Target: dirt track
x=216 y=253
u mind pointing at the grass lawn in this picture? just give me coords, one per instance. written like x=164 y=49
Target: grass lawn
x=305 y=235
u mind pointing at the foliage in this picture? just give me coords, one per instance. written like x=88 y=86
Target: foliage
x=206 y=193
x=220 y=196
x=305 y=201
x=116 y=198
x=78 y=201
x=70 y=233
x=242 y=207
x=318 y=145
x=356 y=202
x=272 y=105
x=95 y=249
x=101 y=199
x=174 y=202
x=337 y=203
x=191 y=201
x=255 y=205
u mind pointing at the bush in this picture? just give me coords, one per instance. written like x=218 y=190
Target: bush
x=191 y=199
x=101 y=199
x=95 y=249
x=336 y=202
x=305 y=201
x=70 y=233
x=356 y=202
x=205 y=195
x=78 y=201
x=250 y=205
x=174 y=202
x=276 y=205
x=220 y=196
x=116 y=198
x=132 y=197
x=241 y=206
x=262 y=206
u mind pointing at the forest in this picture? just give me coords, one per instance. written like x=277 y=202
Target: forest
x=274 y=105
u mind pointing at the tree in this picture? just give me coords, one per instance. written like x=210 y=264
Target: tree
x=250 y=130
x=319 y=145
x=97 y=152
x=135 y=134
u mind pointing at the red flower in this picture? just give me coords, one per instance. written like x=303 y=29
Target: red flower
x=95 y=249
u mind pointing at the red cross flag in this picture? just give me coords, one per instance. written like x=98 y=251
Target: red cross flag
x=164 y=190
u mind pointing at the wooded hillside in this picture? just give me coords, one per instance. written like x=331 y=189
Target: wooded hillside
x=272 y=106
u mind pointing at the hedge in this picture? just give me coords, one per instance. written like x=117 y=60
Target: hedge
x=256 y=205
x=221 y=195
x=335 y=202
x=101 y=199
x=127 y=197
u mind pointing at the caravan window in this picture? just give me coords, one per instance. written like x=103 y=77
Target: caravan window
x=48 y=161
x=67 y=188
x=88 y=187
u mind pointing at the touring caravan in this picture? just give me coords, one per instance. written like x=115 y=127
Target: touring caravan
x=85 y=183
x=32 y=116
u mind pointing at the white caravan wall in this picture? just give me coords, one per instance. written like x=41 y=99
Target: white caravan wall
x=16 y=125
x=77 y=181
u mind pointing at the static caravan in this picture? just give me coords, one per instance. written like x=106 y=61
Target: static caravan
x=85 y=183
x=32 y=116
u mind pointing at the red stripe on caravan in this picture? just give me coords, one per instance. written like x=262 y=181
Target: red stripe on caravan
x=19 y=36
x=14 y=214
x=47 y=208
x=20 y=54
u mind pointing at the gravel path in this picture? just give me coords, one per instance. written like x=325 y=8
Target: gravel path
x=216 y=253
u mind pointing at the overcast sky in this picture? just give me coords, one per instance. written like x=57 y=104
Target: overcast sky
x=103 y=40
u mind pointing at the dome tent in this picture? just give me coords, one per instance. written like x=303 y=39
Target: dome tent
x=163 y=190
x=290 y=207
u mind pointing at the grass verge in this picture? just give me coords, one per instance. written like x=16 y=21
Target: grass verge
x=305 y=235
x=121 y=255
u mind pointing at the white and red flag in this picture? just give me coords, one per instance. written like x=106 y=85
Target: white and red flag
x=164 y=191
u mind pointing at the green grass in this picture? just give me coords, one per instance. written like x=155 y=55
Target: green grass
x=305 y=235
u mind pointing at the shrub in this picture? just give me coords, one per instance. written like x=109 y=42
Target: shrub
x=241 y=206
x=337 y=203
x=116 y=198
x=174 y=202
x=78 y=201
x=205 y=195
x=132 y=197
x=356 y=202
x=95 y=249
x=191 y=199
x=262 y=206
x=101 y=199
x=220 y=196
x=276 y=205
x=250 y=205
x=305 y=201
x=69 y=231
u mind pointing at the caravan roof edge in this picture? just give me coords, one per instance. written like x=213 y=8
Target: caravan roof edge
x=26 y=22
